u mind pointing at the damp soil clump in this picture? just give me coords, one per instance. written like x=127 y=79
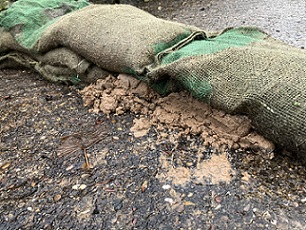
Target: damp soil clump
x=163 y=177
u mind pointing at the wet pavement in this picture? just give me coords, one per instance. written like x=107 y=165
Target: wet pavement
x=147 y=182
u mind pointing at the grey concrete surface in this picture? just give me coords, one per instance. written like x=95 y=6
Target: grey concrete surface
x=283 y=19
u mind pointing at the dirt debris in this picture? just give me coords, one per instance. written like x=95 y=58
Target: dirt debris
x=172 y=117
x=217 y=169
x=141 y=127
x=179 y=111
x=214 y=170
x=45 y=129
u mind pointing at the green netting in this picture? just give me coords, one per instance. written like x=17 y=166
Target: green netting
x=257 y=76
x=161 y=46
x=197 y=86
x=28 y=19
x=240 y=70
x=236 y=37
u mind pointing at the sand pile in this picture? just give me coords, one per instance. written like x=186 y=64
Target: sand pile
x=177 y=111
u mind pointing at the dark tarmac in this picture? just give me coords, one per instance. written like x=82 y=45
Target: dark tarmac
x=45 y=133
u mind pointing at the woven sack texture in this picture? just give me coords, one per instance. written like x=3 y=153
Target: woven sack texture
x=240 y=70
x=252 y=74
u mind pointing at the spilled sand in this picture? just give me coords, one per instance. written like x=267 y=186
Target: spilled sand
x=183 y=113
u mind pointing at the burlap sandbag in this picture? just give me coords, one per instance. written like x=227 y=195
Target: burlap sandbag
x=8 y=42
x=26 y=20
x=265 y=80
x=238 y=70
x=21 y=27
x=118 y=38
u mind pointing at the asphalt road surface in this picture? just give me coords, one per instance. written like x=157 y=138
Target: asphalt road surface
x=148 y=182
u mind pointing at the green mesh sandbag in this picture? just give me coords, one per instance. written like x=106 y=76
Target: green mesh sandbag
x=249 y=73
x=240 y=70
x=28 y=19
x=117 y=38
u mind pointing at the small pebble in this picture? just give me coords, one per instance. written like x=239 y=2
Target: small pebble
x=82 y=186
x=75 y=187
x=9 y=217
x=169 y=200
x=180 y=208
x=274 y=222
x=267 y=215
x=144 y=186
x=294 y=204
x=84 y=176
x=247 y=208
x=69 y=167
x=166 y=186
x=188 y=203
x=218 y=199
x=57 y=197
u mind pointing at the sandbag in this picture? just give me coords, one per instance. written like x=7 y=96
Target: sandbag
x=252 y=74
x=22 y=26
x=118 y=38
x=26 y=20
x=239 y=70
